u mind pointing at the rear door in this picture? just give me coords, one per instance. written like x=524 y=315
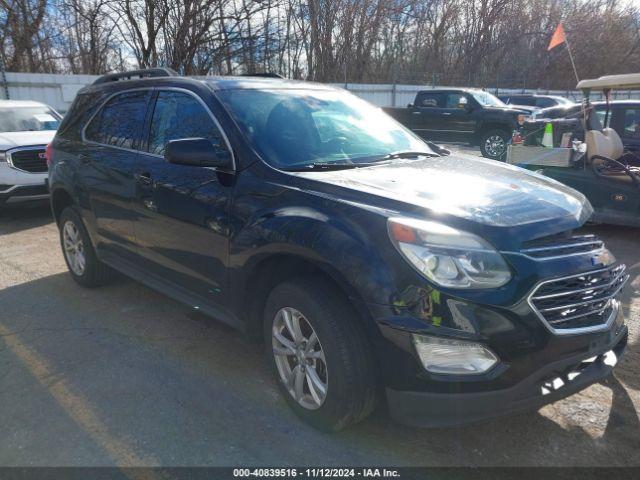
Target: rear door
x=182 y=211
x=108 y=159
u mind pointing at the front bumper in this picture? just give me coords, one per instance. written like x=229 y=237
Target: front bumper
x=19 y=186
x=23 y=193
x=550 y=383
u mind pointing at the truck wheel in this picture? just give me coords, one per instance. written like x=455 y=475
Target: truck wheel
x=78 y=251
x=320 y=356
x=493 y=144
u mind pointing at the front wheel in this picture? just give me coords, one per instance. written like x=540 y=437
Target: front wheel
x=320 y=356
x=493 y=144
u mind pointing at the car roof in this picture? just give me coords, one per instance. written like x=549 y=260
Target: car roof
x=259 y=83
x=20 y=103
x=534 y=95
x=631 y=102
x=214 y=82
x=453 y=89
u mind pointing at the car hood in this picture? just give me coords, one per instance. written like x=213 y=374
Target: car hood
x=516 y=109
x=10 y=140
x=465 y=186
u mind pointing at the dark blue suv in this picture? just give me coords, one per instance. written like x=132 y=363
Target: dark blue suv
x=376 y=268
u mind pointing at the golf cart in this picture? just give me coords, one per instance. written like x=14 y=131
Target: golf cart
x=588 y=155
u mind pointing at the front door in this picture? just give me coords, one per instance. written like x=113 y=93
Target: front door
x=181 y=211
x=456 y=118
x=108 y=161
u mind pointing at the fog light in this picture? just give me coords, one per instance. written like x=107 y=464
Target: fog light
x=457 y=357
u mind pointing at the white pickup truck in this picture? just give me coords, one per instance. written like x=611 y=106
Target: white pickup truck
x=25 y=130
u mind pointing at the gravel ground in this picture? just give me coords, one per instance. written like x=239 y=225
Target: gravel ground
x=125 y=376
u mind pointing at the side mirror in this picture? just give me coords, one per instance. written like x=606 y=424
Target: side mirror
x=196 y=152
x=409 y=105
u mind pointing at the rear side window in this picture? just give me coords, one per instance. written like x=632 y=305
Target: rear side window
x=119 y=122
x=81 y=109
x=427 y=99
x=180 y=115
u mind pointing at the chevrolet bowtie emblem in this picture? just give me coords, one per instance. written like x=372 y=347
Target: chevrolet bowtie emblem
x=604 y=257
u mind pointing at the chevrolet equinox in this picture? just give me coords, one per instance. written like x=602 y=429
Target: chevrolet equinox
x=376 y=268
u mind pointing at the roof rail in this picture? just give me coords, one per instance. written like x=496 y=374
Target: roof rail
x=131 y=74
x=262 y=74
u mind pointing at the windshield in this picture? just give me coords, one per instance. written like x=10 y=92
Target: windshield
x=25 y=119
x=294 y=128
x=487 y=99
x=28 y=119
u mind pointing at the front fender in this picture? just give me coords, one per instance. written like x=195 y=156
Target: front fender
x=336 y=243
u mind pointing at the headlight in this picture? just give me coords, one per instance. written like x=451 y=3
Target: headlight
x=455 y=357
x=448 y=257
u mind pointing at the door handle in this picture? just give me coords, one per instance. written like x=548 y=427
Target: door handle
x=416 y=112
x=143 y=178
x=84 y=159
x=446 y=113
x=150 y=204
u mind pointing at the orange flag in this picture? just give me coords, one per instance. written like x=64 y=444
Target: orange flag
x=558 y=37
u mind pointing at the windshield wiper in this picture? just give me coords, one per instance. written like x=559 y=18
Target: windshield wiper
x=373 y=161
x=304 y=167
x=409 y=154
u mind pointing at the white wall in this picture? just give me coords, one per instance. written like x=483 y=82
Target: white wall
x=59 y=90
x=56 y=90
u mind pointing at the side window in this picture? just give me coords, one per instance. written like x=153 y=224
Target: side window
x=456 y=100
x=120 y=120
x=542 y=102
x=600 y=113
x=180 y=115
x=528 y=101
x=433 y=100
x=631 y=123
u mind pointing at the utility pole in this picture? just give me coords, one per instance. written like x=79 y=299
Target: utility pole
x=3 y=77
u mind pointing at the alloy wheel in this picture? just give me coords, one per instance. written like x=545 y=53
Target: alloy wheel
x=495 y=146
x=73 y=248
x=299 y=358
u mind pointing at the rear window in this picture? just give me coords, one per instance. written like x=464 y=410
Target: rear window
x=119 y=122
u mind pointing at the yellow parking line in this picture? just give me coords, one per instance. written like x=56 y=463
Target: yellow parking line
x=79 y=410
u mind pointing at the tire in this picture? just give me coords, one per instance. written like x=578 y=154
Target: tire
x=94 y=273
x=347 y=365
x=489 y=148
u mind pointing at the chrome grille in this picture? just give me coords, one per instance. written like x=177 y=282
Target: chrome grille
x=580 y=302
x=562 y=246
x=30 y=160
